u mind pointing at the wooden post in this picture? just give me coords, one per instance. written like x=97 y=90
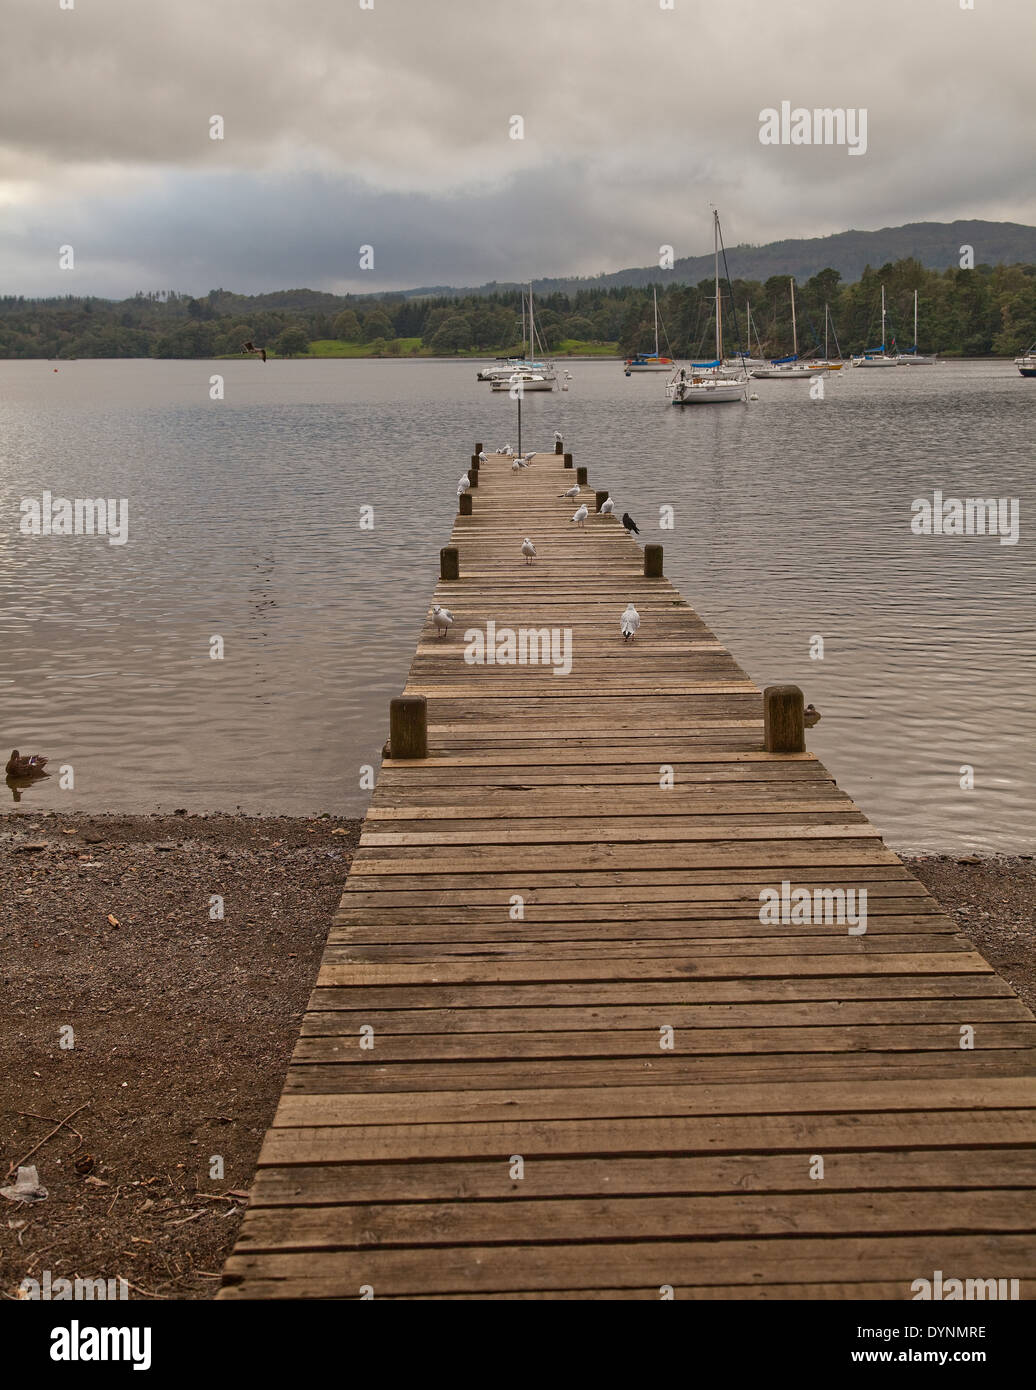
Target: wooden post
x=449 y=562
x=465 y=504
x=474 y=462
x=580 y=475
x=559 y=448
x=568 y=460
x=653 y=562
x=473 y=476
x=408 y=727
x=478 y=448
x=784 y=729
x=602 y=497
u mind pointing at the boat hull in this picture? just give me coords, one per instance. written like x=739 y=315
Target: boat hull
x=527 y=386
x=719 y=393
x=791 y=374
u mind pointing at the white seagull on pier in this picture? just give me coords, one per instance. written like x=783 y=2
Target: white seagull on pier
x=559 y=438
x=629 y=623
x=464 y=484
x=443 y=619
x=517 y=466
x=482 y=456
x=607 y=506
x=528 y=550
x=581 y=514
x=572 y=492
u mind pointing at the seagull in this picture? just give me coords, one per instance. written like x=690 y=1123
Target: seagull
x=581 y=514
x=443 y=619
x=464 y=484
x=572 y=492
x=251 y=347
x=629 y=623
x=559 y=438
x=607 y=506
x=517 y=466
x=482 y=457
x=522 y=462
x=630 y=525
x=508 y=450
x=811 y=716
x=528 y=550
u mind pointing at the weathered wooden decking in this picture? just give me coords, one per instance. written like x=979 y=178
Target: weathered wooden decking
x=393 y=1168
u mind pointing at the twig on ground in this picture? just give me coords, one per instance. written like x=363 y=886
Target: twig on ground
x=11 y=1167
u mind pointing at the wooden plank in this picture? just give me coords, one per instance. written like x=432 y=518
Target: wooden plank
x=588 y=1102
x=474 y=1269
x=844 y=1171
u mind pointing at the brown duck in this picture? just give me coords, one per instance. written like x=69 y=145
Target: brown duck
x=811 y=716
x=26 y=765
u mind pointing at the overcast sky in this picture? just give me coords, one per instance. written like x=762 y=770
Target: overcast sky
x=389 y=126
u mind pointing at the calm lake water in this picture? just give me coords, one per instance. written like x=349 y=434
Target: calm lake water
x=792 y=519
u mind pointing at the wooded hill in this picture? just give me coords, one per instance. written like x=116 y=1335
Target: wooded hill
x=987 y=310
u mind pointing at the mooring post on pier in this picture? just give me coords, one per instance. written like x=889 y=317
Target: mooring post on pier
x=465 y=504
x=478 y=448
x=474 y=462
x=653 y=562
x=473 y=476
x=601 y=497
x=408 y=727
x=784 y=728
x=580 y=475
x=449 y=562
x=559 y=448
x=568 y=460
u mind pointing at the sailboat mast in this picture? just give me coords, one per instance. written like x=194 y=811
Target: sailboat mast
x=883 y=318
x=719 y=312
x=825 y=331
x=655 y=293
x=915 y=320
x=525 y=354
x=532 y=329
x=748 y=326
x=794 y=326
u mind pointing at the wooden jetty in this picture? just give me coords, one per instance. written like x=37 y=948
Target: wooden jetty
x=553 y=1051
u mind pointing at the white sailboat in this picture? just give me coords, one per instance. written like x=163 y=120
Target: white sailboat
x=913 y=358
x=709 y=383
x=877 y=357
x=531 y=375
x=1026 y=364
x=790 y=368
x=650 y=361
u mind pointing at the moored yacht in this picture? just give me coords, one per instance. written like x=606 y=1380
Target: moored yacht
x=790 y=368
x=877 y=357
x=649 y=361
x=709 y=383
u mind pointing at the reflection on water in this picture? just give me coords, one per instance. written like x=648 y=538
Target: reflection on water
x=791 y=521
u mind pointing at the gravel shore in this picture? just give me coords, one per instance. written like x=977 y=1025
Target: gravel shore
x=182 y=1021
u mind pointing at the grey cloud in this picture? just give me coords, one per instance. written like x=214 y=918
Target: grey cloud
x=389 y=126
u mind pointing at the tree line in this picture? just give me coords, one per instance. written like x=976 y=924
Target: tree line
x=988 y=310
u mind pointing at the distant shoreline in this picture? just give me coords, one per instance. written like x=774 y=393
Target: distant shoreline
x=422 y=357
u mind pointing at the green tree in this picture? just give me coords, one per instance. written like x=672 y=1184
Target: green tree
x=453 y=336
x=347 y=327
x=291 y=342
x=377 y=325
